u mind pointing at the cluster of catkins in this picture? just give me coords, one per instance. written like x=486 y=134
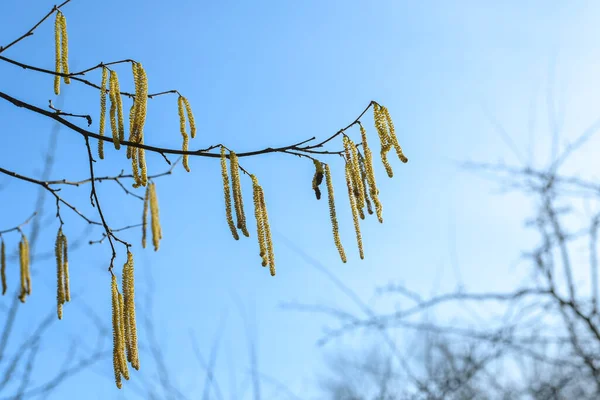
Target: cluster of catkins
x=360 y=177
x=25 y=273
x=360 y=182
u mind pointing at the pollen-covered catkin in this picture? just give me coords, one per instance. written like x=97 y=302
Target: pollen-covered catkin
x=238 y=201
x=155 y=223
x=57 y=50
x=3 y=264
x=60 y=275
x=116 y=110
x=260 y=227
x=145 y=216
x=368 y=164
x=267 y=228
x=122 y=356
x=190 y=115
x=64 y=48
x=317 y=178
x=141 y=100
x=384 y=137
x=118 y=361
x=357 y=189
x=103 y=112
x=25 y=273
x=392 y=134
x=66 y=268
x=351 y=189
x=227 y=195
x=184 y=146
x=363 y=178
x=332 y=214
x=131 y=341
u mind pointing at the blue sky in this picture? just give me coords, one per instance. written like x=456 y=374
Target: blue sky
x=270 y=73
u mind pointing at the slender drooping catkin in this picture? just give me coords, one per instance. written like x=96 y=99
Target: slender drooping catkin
x=368 y=164
x=351 y=153
x=392 y=134
x=238 y=201
x=155 y=223
x=317 y=178
x=119 y=360
x=131 y=340
x=66 y=268
x=184 y=146
x=227 y=195
x=116 y=110
x=365 y=185
x=64 y=48
x=57 y=50
x=353 y=206
x=260 y=225
x=384 y=137
x=60 y=274
x=332 y=214
x=103 y=113
x=145 y=215
x=25 y=272
x=190 y=115
x=3 y=264
x=138 y=119
x=267 y=229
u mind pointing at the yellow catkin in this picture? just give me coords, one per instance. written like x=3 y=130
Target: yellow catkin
x=258 y=214
x=332 y=214
x=142 y=164
x=365 y=185
x=60 y=275
x=353 y=206
x=134 y=168
x=25 y=273
x=190 y=115
x=317 y=178
x=392 y=134
x=145 y=216
x=373 y=191
x=122 y=356
x=3 y=265
x=384 y=137
x=357 y=187
x=64 y=48
x=141 y=99
x=129 y=313
x=57 y=51
x=237 y=193
x=120 y=119
x=131 y=121
x=66 y=268
x=116 y=111
x=184 y=146
x=154 y=213
x=103 y=112
x=227 y=195
x=116 y=332
x=267 y=228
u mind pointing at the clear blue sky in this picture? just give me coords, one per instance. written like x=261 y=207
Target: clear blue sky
x=270 y=73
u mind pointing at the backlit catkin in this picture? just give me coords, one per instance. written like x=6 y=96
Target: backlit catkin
x=61 y=51
x=155 y=223
x=186 y=139
x=190 y=115
x=64 y=48
x=227 y=195
x=368 y=165
x=260 y=226
x=66 y=268
x=352 y=197
x=145 y=216
x=392 y=134
x=119 y=360
x=60 y=274
x=3 y=264
x=24 y=264
x=103 y=113
x=131 y=341
x=332 y=214
x=363 y=177
x=238 y=201
x=351 y=153
x=116 y=110
x=267 y=228
x=384 y=137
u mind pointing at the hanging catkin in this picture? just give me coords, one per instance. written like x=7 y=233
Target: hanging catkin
x=332 y=214
x=227 y=195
